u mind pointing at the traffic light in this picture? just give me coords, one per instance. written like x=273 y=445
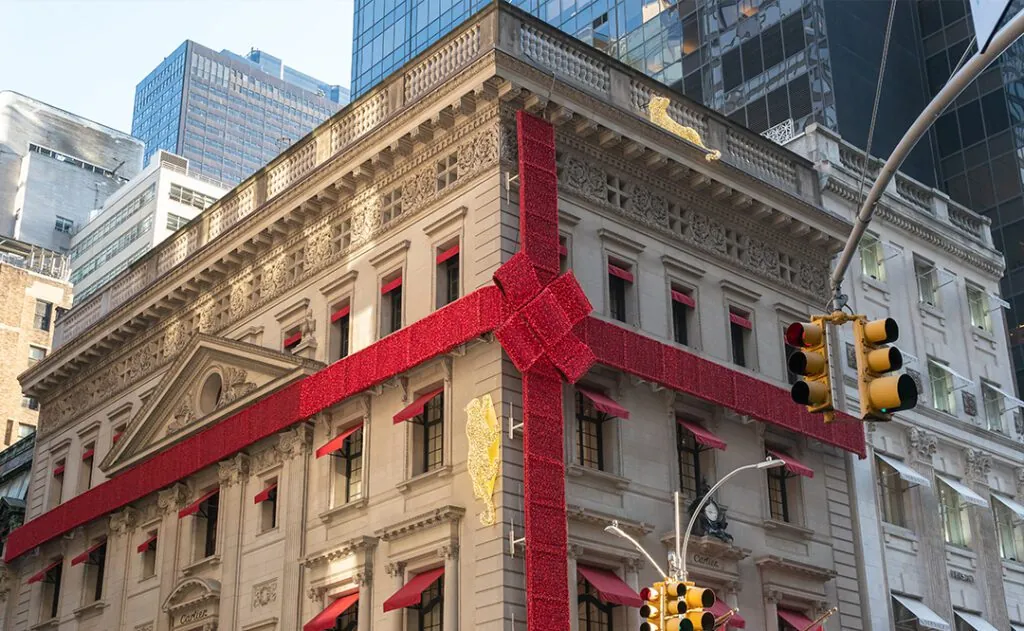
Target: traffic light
x=695 y=617
x=811 y=362
x=676 y=606
x=881 y=394
x=653 y=609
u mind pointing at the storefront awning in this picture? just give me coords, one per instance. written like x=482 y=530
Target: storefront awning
x=793 y=465
x=415 y=408
x=265 y=494
x=411 y=593
x=702 y=436
x=798 y=621
x=735 y=621
x=610 y=587
x=926 y=618
x=327 y=618
x=963 y=491
x=337 y=442
x=1016 y=508
x=976 y=622
x=82 y=558
x=146 y=544
x=604 y=403
x=193 y=508
x=41 y=574
x=906 y=472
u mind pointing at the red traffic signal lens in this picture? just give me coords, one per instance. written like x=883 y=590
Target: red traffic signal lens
x=648 y=594
x=803 y=334
x=795 y=334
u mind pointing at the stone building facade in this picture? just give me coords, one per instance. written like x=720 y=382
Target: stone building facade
x=278 y=418
x=940 y=500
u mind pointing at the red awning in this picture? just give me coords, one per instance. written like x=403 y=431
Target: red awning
x=40 y=575
x=410 y=593
x=563 y=250
x=264 y=495
x=739 y=320
x=610 y=587
x=88 y=453
x=326 y=618
x=447 y=254
x=193 y=508
x=604 y=403
x=703 y=436
x=685 y=299
x=798 y=621
x=82 y=558
x=720 y=609
x=387 y=288
x=625 y=275
x=59 y=469
x=793 y=465
x=336 y=443
x=292 y=340
x=415 y=408
x=340 y=313
x=145 y=544
x=116 y=437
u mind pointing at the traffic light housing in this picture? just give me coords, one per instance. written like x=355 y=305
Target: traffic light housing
x=653 y=609
x=881 y=393
x=811 y=362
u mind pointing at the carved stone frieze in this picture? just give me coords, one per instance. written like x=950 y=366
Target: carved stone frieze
x=235 y=386
x=233 y=470
x=922 y=446
x=395 y=569
x=970 y=403
x=124 y=521
x=171 y=499
x=184 y=416
x=264 y=593
x=448 y=551
x=1020 y=483
x=978 y=465
x=295 y=441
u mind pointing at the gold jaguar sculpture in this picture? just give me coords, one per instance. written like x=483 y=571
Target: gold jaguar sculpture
x=658 y=108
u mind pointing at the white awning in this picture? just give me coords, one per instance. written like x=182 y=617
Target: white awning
x=908 y=474
x=1017 y=627
x=1011 y=504
x=967 y=494
x=1011 y=401
x=964 y=381
x=926 y=618
x=977 y=622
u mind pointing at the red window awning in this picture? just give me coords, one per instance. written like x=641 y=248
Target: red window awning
x=685 y=299
x=146 y=544
x=264 y=495
x=447 y=254
x=415 y=408
x=193 y=508
x=793 y=465
x=88 y=453
x=337 y=442
x=703 y=436
x=340 y=313
x=41 y=574
x=82 y=558
x=604 y=403
x=326 y=618
x=411 y=593
x=617 y=271
x=387 y=288
x=58 y=470
x=610 y=587
x=739 y=320
x=292 y=340
x=563 y=250
x=720 y=609
x=797 y=620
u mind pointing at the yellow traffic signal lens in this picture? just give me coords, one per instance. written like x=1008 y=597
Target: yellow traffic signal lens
x=699 y=597
x=884 y=360
x=892 y=394
x=807 y=363
x=803 y=335
x=810 y=392
x=884 y=331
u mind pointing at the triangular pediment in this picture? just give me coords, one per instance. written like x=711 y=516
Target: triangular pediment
x=212 y=379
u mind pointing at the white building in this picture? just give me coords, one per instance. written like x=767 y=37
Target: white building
x=939 y=500
x=141 y=214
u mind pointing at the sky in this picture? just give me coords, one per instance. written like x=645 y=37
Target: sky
x=87 y=56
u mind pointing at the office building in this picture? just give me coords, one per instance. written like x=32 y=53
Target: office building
x=55 y=167
x=228 y=114
x=151 y=207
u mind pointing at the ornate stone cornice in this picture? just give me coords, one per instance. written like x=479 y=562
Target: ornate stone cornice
x=232 y=471
x=348 y=548
x=444 y=514
x=597 y=518
x=789 y=566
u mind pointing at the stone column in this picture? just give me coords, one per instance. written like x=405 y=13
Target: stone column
x=771 y=610
x=574 y=618
x=450 y=553
x=293 y=484
x=232 y=474
x=363 y=580
x=632 y=575
x=397 y=570
x=928 y=524
x=169 y=544
x=119 y=565
x=985 y=541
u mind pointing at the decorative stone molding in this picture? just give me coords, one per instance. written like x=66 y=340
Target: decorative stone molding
x=576 y=551
x=192 y=592
x=183 y=416
x=5 y=582
x=124 y=521
x=395 y=569
x=234 y=386
x=597 y=518
x=439 y=66
x=264 y=593
x=173 y=499
x=363 y=577
x=445 y=514
x=232 y=471
x=145 y=626
x=978 y=465
x=295 y=441
x=1020 y=483
x=970 y=403
x=584 y=70
x=789 y=566
x=448 y=551
x=921 y=446
x=353 y=546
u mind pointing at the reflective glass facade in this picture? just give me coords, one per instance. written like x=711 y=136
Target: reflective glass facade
x=228 y=114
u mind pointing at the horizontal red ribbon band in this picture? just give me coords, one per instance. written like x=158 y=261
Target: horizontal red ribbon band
x=447 y=254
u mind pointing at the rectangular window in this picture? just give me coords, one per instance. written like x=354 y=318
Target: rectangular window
x=30 y=402
x=24 y=430
x=992 y=401
x=340 y=322
x=85 y=473
x=63 y=224
x=943 y=394
x=927 y=282
x=348 y=468
x=892 y=495
x=94 y=569
x=953 y=512
x=43 y=314
x=267 y=500
x=447 y=275
x=872 y=257
x=682 y=306
x=391 y=306
x=175 y=221
x=148 y=553
x=594 y=613
x=36 y=354
x=563 y=254
x=694 y=463
x=740 y=328
x=589 y=434
x=782 y=487
x=977 y=302
x=429 y=614
x=1010 y=528
x=620 y=283
x=57 y=485
x=429 y=430
x=191 y=198
x=51 y=591
x=206 y=528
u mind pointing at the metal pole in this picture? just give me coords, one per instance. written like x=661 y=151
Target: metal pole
x=679 y=549
x=956 y=84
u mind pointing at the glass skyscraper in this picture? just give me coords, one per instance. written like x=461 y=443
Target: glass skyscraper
x=228 y=114
x=788 y=63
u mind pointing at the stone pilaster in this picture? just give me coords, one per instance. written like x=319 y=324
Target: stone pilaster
x=397 y=571
x=169 y=501
x=364 y=580
x=631 y=569
x=292 y=492
x=985 y=540
x=771 y=610
x=928 y=524
x=232 y=474
x=575 y=552
x=450 y=553
x=119 y=550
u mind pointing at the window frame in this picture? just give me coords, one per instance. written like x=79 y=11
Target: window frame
x=597 y=421
x=955 y=519
x=340 y=343
x=892 y=493
x=948 y=391
x=993 y=424
x=341 y=461
x=32 y=361
x=391 y=319
x=701 y=459
x=590 y=601
x=205 y=528
x=741 y=339
x=427 y=443
x=781 y=477
x=1008 y=533
x=978 y=299
x=431 y=602
x=96 y=575
x=43 y=321
x=927 y=291
x=872 y=258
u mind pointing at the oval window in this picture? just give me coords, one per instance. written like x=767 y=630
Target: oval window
x=209 y=396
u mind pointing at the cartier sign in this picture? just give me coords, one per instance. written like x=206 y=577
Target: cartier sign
x=193 y=616
x=706 y=561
